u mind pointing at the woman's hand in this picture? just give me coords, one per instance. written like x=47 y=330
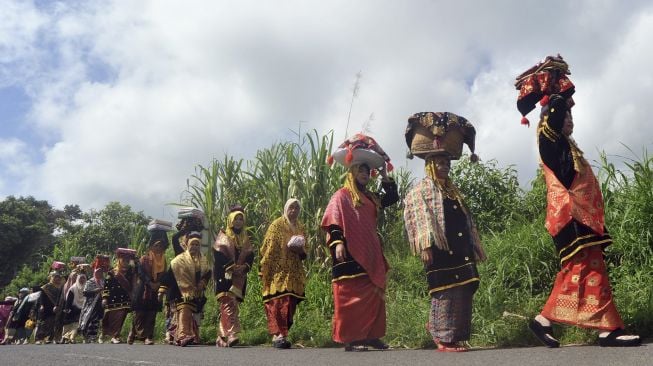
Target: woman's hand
x=427 y=257
x=341 y=252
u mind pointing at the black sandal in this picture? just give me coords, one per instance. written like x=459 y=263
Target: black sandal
x=355 y=346
x=377 y=344
x=611 y=340
x=544 y=334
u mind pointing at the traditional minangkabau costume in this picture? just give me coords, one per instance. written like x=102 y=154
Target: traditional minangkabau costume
x=191 y=272
x=437 y=221
x=233 y=257
x=191 y=220
x=117 y=293
x=282 y=273
x=15 y=323
x=73 y=304
x=7 y=332
x=151 y=268
x=92 y=310
x=350 y=219
x=49 y=307
x=581 y=293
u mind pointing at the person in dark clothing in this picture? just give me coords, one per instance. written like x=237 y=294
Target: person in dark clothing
x=581 y=295
x=151 y=268
x=49 y=306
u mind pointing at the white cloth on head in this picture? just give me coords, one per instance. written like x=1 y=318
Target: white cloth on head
x=289 y=203
x=186 y=212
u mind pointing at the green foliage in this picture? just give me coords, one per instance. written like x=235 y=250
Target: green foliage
x=26 y=227
x=491 y=193
x=84 y=234
x=515 y=280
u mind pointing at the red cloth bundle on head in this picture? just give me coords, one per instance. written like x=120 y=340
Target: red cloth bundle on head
x=540 y=81
x=361 y=149
x=102 y=261
x=58 y=266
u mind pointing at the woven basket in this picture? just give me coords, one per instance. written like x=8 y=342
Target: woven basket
x=424 y=142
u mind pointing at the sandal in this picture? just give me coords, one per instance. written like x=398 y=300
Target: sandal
x=450 y=347
x=544 y=334
x=220 y=342
x=232 y=341
x=376 y=343
x=612 y=340
x=355 y=346
x=185 y=341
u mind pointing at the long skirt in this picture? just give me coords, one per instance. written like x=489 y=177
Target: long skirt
x=450 y=319
x=45 y=328
x=143 y=325
x=359 y=310
x=70 y=331
x=280 y=312
x=582 y=295
x=187 y=324
x=112 y=322
x=90 y=333
x=228 y=317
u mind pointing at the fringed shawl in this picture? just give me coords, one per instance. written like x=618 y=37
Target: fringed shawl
x=425 y=222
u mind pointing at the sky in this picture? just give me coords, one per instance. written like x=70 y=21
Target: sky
x=106 y=101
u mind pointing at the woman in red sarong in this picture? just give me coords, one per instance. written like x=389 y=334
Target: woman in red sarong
x=359 y=267
x=581 y=294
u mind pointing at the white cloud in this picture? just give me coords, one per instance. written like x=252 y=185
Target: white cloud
x=15 y=163
x=183 y=83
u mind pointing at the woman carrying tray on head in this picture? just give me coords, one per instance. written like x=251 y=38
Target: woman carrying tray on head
x=359 y=266
x=581 y=294
x=191 y=273
x=146 y=301
x=440 y=228
x=116 y=296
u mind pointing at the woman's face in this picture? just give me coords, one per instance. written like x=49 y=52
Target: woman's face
x=239 y=222
x=157 y=247
x=568 y=124
x=56 y=280
x=442 y=166
x=194 y=247
x=363 y=175
x=293 y=211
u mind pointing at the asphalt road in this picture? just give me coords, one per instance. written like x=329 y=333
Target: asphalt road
x=107 y=354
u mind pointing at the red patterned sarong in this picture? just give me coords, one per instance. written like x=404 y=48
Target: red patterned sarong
x=359 y=310
x=280 y=312
x=582 y=295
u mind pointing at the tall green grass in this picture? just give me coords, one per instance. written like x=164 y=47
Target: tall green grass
x=515 y=280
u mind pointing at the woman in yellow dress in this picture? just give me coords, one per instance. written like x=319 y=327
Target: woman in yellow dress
x=282 y=273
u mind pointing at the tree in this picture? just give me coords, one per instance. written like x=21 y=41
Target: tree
x=26 y=227
x=104 y=231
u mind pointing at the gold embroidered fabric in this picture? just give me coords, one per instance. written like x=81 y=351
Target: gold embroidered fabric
x=282 y=271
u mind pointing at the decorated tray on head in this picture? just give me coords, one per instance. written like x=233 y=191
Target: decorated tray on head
x=159 y=225
x=361 y=149
x=439 y=133
x=186 y=212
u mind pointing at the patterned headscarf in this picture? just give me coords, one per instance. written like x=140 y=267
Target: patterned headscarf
x=239 y=238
